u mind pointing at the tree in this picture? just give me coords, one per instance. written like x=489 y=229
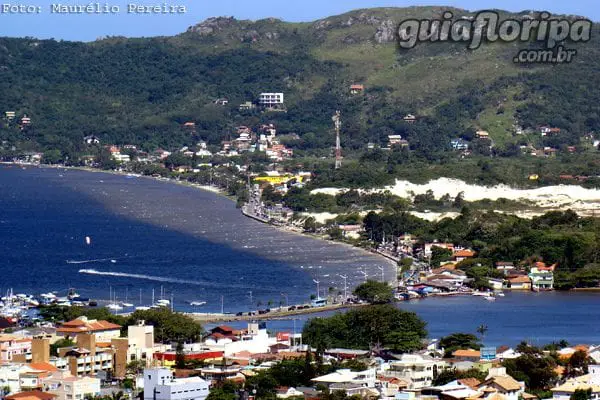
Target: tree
x=482 y=330
x=439 y=254
x=374 y=292
x=457 y=341
x=374 y=326
x=582 y=394
x=179 y=356
x=578 y=364
x=168 y=326
x=66 y=342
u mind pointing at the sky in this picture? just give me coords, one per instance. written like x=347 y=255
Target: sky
x=88 y=27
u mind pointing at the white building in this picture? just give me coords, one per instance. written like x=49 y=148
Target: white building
x=270 y=100
x=10 y=374
x=141 y=342
x=365 y=378
x=68 y=387
x=255 y=340
x=159 y=384
x=416 y=369
x=584 y=382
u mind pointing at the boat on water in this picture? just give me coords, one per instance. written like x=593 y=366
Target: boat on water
x=197 y=303
x=142 y=308
x=114 y=306
x=490 y=298
x=128 y=305
x=482 y=294
x=500 y=294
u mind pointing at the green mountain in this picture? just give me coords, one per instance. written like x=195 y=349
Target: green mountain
x=141 y=91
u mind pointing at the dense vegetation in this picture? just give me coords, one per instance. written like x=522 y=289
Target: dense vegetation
x=141 y=91
x=365 y=328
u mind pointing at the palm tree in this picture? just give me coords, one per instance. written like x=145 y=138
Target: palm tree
x=482 y=330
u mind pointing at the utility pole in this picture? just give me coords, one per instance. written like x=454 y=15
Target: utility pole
x=337 y=123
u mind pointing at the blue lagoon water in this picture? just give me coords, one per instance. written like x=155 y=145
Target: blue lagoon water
x=148 y=235
x=198 y=247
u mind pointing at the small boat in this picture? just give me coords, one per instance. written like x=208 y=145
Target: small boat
x=88 y=240
x=142 y=308
x=114 y=306
x=482 y=294
x=197 y=303
x=500 y=294
x=128 y=305
x=490 y=298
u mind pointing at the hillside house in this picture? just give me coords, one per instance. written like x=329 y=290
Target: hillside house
x=459 y=144
x=548 y=131
x=91 y=139
x=409 y=118
x=271 y=100
x=482 y=135
x=356 y=89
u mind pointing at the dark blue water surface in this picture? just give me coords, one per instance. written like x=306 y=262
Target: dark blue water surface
x=180 y=241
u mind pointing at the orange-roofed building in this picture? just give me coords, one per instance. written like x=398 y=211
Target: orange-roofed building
x=467 y=355
x=357 y=88
x=31 y=395
x=104 y=331
x=519 y=283
x=43 y=366
x=462 y=254
x=14 y=348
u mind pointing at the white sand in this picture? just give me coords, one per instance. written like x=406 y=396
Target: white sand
x=574 y=197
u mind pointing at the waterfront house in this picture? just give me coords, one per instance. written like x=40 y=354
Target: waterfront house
x=542 y=277
x=521 y=282
x=496 y=284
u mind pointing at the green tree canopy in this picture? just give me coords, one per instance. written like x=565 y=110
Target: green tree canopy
x=374 y=292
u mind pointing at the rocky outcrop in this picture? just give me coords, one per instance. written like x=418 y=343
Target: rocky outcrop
x=386 y=32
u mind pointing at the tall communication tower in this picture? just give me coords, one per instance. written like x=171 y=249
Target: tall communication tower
x=337 y=123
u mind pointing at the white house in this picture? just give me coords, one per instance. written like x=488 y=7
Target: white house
x=365 y=378
x=270 y=100
x=416 y=369
x=68 y=387
x=584 y=382
x=159 y=384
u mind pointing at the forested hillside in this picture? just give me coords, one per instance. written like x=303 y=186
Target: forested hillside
x=141 y=91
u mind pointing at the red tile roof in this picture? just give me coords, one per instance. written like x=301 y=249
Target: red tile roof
x=34 y=394
x=83 y=326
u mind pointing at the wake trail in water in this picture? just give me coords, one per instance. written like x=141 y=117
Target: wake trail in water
x=89 y=261
x=169 y=280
